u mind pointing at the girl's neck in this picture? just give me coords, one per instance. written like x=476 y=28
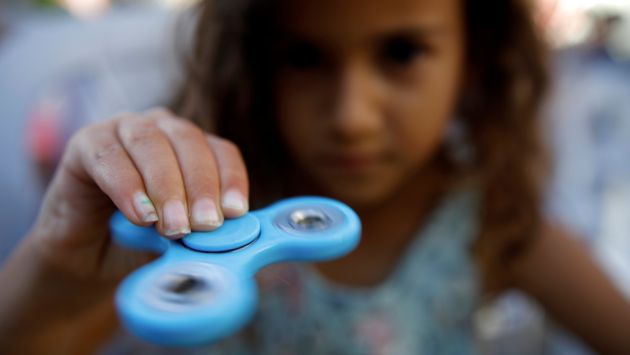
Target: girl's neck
x=388 y=228
x=400 y=215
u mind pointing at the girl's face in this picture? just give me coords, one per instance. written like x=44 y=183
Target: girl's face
x=365 y=89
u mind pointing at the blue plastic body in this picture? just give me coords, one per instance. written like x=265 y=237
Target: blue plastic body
x=202 y=288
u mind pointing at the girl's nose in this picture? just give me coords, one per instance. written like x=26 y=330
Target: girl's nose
x=355 y=110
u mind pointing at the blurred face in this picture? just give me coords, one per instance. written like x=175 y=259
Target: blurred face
x=365 y=89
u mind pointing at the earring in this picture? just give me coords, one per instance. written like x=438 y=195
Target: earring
x=457 y=143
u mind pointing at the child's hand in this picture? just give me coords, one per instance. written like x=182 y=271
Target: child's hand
x=154 y=168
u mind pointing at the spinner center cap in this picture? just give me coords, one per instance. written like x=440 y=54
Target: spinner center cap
x=233 y=234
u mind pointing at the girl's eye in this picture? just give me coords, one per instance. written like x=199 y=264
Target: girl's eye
x=401 y=51
x=302 y=56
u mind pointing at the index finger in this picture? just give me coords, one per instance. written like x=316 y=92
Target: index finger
x=233 y=175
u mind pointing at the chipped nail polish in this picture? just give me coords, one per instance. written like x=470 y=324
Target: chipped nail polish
x=144 y=207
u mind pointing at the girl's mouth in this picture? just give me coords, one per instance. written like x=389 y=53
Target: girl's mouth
x=352 y=163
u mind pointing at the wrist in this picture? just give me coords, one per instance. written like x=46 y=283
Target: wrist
x=43 y=305
x=45 y=310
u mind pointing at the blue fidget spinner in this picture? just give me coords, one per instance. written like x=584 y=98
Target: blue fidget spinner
x=202 y=288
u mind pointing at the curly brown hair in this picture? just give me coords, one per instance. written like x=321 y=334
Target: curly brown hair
x=228 y=78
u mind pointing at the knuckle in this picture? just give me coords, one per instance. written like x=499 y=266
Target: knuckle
x=160 y=112
x=125 y=119
x=86 y=135
x=106 y=151
x=179 y=128
x=123 y=116
x=72 y=150
x=78 y=137
x=140 y=134
x=229 y=146
x=139 y=137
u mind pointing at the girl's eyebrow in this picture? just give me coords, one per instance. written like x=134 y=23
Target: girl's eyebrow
x=423 y=31
x=412 y=31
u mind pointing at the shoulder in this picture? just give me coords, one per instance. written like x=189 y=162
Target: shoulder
x=556 y=246
x=556 y=253
x=558 y=271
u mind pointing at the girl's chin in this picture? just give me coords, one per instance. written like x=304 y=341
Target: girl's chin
x=359 y=195
x=359 y=191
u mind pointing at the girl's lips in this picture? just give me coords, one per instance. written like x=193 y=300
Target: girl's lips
x=351 y=162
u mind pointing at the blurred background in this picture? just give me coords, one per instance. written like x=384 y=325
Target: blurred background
x=65 y=63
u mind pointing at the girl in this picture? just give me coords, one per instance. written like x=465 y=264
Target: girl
x=419 y=114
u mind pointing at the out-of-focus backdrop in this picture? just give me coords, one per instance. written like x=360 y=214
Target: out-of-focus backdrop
x=65 y=63
x=63 y=66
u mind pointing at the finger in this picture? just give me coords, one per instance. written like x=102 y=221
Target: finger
x=102 y=156
x=155 y=160
x=199 y=170
x=233 y=173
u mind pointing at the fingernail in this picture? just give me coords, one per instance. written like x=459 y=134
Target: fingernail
x=205 y=214
x=144 y=207
x=234 y=200
x=175 y=218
